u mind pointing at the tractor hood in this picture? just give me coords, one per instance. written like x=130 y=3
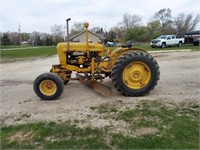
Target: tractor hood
x=73 y=46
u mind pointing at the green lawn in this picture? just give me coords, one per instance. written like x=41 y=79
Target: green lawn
x=170 y=126
x=26 y=53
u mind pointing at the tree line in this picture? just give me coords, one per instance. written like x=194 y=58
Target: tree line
x=130 y=28
x=162 y=22
x=34 y=38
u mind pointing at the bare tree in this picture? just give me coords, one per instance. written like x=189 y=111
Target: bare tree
x=185 y=22
x=34 y=38
x=129 y=21
x=165 y=18
x=97 y=30
x=58 y=32
x=14 y=38
x=77 y=27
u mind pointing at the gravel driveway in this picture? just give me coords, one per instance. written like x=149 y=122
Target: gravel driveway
x=179 y=81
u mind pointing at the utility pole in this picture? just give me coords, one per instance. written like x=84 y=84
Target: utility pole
x=20 y=35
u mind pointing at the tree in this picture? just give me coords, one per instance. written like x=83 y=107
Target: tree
x=116 y=34
x=25 y=36
x=154 y=26
x=112 y=35
x=58 y=33
x=76 y=28
x=14 y=38
x=46 y=39
x=129 y=21
x=5 y=40
x=165 y=18
x=137 y=34
x=185 y=23
x=35 y=38
x=97 y=30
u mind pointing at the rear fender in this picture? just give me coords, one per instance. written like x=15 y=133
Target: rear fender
x=106 y=66
x=120 y=51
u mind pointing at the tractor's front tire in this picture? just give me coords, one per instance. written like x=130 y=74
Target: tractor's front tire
x=48 y=86
x=135 y=73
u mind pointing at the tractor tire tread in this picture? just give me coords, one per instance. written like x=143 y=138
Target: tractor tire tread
x=132 y=56
x=48 y=76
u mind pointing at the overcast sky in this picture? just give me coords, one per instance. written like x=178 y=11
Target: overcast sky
x=40 y=15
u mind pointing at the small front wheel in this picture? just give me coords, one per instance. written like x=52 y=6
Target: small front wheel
x=48 y=86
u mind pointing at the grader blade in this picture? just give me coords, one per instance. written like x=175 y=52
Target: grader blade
x=96 y=86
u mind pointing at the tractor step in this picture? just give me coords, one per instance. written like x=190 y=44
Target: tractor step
x=96 y=86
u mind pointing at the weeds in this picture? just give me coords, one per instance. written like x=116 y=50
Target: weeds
x=151 y=125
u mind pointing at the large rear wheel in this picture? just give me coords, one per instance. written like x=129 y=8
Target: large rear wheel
x=48 y=86
x=135 y=73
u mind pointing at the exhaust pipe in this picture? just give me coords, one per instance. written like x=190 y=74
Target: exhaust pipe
x=67 y=22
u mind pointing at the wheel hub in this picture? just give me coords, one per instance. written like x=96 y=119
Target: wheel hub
x=48 y=87
x=136 y=75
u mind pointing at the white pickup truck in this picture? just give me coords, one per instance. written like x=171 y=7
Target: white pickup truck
x=166 y=40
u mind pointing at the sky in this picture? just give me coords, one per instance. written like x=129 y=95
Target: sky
x=41 y=15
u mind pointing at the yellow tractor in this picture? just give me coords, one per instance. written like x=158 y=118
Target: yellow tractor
x=134 y=71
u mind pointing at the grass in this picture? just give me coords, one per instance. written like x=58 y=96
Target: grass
x=29 y=52
x=147 y=47
x=176 y=124
x=51 y=136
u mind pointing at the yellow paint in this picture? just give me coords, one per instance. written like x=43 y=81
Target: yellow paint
x=77 y=47
x=48 y=87
x=80 y=59
x=75 y=68
x=106 y=66
x=136 y=75
x=87 y=38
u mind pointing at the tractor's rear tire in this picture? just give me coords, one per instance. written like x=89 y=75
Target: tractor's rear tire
x=48 y=86
x=135 y=73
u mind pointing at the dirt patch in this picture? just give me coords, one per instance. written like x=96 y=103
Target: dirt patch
x=178 y=82
x=21 y=136
x=145 y=131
